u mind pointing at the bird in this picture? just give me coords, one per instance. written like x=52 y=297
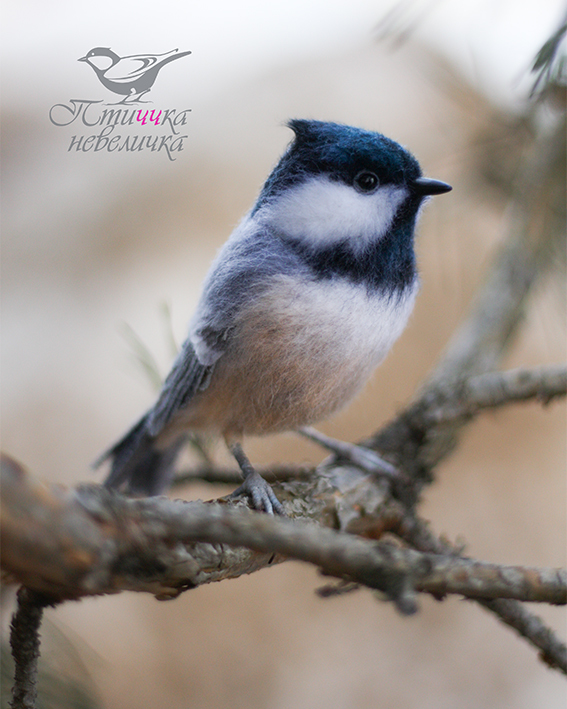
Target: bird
x=301 y=304
x=132 y=76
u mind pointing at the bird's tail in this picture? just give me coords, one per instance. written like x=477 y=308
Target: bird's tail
x=172 y=57
x=138 y=467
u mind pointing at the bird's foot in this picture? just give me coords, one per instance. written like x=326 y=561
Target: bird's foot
x=360 y=456
x=263 y=497
x=261 y=493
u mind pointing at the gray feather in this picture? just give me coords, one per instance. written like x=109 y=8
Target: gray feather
x=137 y=465
x=187 y=377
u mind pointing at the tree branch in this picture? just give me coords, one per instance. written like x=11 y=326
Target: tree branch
x=464 y=400
x=510 y=612
x=24 y=640
x=496 y=389
x=529 y=626
x=90 y=541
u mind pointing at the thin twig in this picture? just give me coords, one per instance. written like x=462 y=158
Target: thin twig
x=214 y=475
x=25 y=641
x=493 y=390
x=499 y=388
x=510 y=612
x=552 y=650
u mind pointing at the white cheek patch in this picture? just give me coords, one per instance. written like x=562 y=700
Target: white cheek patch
x=322 y=212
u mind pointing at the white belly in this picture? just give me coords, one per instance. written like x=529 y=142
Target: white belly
x=297 y=354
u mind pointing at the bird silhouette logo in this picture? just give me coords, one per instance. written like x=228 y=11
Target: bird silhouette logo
x=131 y=77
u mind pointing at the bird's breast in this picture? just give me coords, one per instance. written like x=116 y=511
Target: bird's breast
x=299 y=352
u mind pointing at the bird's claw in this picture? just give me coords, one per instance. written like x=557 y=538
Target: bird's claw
x=261 y=493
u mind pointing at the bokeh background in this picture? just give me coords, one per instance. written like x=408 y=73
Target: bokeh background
x=96 y=243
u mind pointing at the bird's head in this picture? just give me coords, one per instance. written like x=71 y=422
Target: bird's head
x=100 y=58
x=338 y=184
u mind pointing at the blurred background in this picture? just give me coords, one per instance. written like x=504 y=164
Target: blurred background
x=94 y=245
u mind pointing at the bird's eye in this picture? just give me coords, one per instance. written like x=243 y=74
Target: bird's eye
x=366 y=182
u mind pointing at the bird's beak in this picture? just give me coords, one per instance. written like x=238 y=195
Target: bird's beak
x=424 y=186
x=82 y=59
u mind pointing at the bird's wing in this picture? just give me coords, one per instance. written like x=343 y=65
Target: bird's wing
x=132 y=67
x=188 y=376
x=232 y=280
x=239 y=274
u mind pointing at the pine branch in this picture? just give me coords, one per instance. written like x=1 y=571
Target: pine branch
x=552 y=650
x=91 y=541
x=464 y=400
